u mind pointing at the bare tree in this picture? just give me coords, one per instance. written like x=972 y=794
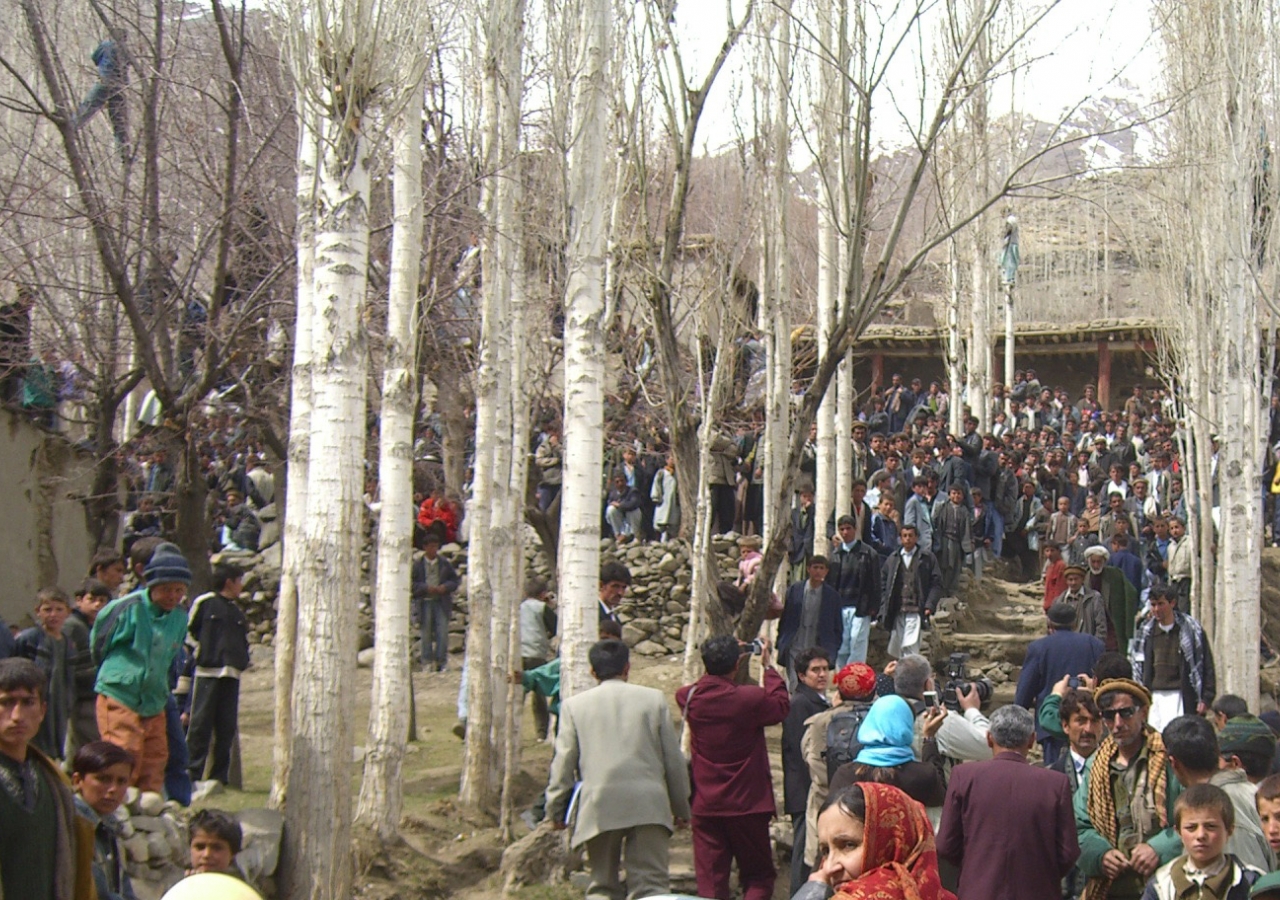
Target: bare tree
x=1223 y=60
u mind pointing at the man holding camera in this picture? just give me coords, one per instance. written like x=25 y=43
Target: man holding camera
x=963 y=735
x=732 y=786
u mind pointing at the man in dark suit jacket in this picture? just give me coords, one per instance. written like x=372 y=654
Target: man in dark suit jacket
x=615 y=578
x=1063 y=651
x=795 y=633
x=813 y=669
x=733 y=788
x=1013 y=851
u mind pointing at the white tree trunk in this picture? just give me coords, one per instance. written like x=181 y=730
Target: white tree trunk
x=778 y=418
x=954 y=342
x=491 y=587
x=299 y=449
x=827 y=115
x=319 y=858
x=381 y=791
x=1216 y=49
x=581 y=498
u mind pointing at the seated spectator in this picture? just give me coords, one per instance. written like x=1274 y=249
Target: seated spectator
x=143 y=522
x=241 y=527
x=623 y=509
x=440 y=515
x=100 y=776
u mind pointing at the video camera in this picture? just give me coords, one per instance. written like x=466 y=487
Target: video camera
x=959 y=683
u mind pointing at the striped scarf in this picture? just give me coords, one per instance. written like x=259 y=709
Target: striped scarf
x=1102 y=802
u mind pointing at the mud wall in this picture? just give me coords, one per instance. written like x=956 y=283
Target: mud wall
x=43 y=536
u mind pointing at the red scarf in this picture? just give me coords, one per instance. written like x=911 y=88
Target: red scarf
x=899 y=858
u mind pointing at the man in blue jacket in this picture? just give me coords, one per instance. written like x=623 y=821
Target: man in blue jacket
x=1064 y=651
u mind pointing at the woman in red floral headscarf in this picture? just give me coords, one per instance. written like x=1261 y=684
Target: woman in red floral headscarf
x=876 y=844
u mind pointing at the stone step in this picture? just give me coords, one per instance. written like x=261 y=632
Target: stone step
x=989 y=647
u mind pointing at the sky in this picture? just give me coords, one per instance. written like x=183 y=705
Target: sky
x=1080 y=49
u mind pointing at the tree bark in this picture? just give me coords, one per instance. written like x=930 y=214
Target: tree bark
x=381 y=791
x=581 y=498
x=318 y=860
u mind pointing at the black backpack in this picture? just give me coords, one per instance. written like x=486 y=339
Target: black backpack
x=842 y=737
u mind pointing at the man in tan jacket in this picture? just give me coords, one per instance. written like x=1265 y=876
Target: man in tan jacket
x=619 y=777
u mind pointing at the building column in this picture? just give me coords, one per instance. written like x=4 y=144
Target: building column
x=1104 y=374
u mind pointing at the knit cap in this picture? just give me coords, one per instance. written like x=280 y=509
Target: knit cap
x=856 y=681
x=1246 y=733
x=167 y=565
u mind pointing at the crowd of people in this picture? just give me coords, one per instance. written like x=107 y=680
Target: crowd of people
x=121 y=686
x=901 y=786
x=1146 y=783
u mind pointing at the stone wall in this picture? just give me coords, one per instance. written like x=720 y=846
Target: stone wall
x=156 y=843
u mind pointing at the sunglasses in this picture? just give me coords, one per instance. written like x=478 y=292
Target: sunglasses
x=1124 y=712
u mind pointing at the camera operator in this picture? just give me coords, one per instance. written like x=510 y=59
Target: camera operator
x=733 y=789
x=963 y=735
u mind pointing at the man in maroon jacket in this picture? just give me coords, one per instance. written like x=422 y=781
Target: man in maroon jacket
x=1006 y=824
x=733 y=788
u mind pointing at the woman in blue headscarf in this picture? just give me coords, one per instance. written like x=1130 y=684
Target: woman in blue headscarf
x=886 y=756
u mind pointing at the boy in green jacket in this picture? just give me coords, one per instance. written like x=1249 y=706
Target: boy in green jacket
x=135 y=640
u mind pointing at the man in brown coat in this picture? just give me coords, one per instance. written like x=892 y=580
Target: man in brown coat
x=1007 y=825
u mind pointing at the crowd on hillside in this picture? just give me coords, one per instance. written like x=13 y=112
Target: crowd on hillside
x=892 y=785
x=1146 y=782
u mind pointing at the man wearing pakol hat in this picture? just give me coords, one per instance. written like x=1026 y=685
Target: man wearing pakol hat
x=1118 y=595
x=1091 y=612
x=1266 y=888
x=1124 y=804
x=1064 y=651
x=1247 y=746
x=1176 y=663
x=134 y=641
x=856 y=685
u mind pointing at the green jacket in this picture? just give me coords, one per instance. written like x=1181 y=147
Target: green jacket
x=545 y=680
x=1049 y=717
x=134 y=644
x=1093 y=846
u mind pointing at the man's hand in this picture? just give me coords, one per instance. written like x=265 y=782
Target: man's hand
x=1114 y=863
x=766 y=652
x=1200 y=708
x=970 y=699
x=681 y=824
x=933 y=719
x=513 y=678
x=1144 y=860
x=1060 y=686
x=890 y=667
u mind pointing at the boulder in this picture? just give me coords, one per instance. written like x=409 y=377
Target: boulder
x=150 y=804
x=632 y=635
x=650 y=648
x=263 y=830
x=137 y=848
